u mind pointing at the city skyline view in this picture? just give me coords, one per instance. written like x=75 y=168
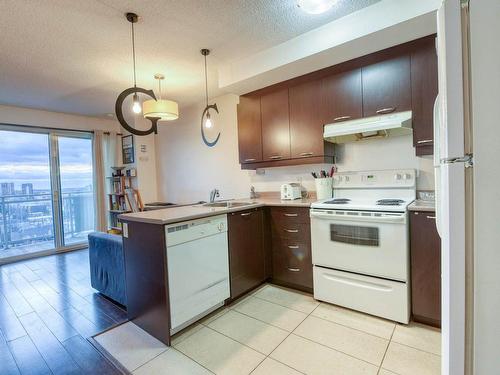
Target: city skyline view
x=24 y=158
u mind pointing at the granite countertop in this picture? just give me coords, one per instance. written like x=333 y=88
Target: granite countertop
x=422 y=205
x=190 y=212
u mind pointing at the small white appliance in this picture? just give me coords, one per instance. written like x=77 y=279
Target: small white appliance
x=198 y=269
x=381 y=126
x=360 y=244
x=291 y=191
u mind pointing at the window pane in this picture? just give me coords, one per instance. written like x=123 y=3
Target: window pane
x=75 y=163
x=26 y=220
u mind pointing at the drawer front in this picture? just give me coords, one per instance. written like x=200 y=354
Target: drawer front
x=289 y=246
x=292 y=231
x=286 y=215
x=385 y=298
x=293 y=266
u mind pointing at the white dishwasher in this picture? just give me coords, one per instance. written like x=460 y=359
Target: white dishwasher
x=198 y=269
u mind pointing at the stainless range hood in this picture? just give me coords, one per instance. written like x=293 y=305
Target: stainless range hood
x=393 y=124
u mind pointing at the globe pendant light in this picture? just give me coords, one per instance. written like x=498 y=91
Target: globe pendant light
x=206 y=119
x=165 y=110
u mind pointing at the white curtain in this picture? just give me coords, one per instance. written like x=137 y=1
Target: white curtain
x=101 y=221
x=106 y=155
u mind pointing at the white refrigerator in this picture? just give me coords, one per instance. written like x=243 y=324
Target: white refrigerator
x=453 y=175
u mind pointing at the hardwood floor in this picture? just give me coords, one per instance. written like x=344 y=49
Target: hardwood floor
x=47 y=311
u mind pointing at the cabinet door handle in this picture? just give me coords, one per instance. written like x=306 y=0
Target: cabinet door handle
x=291 y=215
x=275 y=157
x=246 y=214
x=342 y=118
x=249 y=160
x=293 y=246
x=386 y=110
x=304 y=154
x=424 y=141
x=431 y=217
x=291 y=230
x=294 y=269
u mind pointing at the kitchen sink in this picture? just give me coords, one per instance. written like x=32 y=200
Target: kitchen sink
x=228 y=204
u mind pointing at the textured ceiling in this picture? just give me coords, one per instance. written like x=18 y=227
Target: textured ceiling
x=75 y=56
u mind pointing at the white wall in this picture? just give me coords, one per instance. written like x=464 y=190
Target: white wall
x=485 y=63
x=188 y=170
x=35 y=117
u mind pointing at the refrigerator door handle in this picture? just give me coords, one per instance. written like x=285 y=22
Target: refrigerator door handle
x=468 y=159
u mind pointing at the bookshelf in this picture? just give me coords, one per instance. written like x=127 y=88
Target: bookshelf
x=118 y=182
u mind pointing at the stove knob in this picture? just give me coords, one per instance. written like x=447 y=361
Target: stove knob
x=346 y=178
x=398 y=176
x=407 y=176
x=339 y=179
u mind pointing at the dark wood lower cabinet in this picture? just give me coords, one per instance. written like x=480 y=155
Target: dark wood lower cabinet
x=247 y=257
x=291 y=247
x=425 y=268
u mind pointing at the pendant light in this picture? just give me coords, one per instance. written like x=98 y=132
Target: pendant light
x=165 y=110
x=136 y=106
x=154 y=110
x=206 y=119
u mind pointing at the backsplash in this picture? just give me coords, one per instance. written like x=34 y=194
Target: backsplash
x=368 y=155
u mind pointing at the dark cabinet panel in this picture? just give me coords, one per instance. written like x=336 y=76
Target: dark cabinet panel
x=425 y=268
x=291 y=246
x=306 y=121
x=249 y=129
x=247 y=258
x=342 y=97
x=386 y=86
x=424 y=89
x=275 y=125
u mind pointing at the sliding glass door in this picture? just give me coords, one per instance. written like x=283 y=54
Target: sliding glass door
x=47 y=193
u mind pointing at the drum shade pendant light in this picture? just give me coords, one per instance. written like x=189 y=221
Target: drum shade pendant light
x=154 y=110
x=165 y=110
x=206 y=119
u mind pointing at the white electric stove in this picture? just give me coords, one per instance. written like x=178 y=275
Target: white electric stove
x=360 y=245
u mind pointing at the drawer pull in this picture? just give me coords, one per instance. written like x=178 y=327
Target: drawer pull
x=291 y=230
x=246 y=214
x=293 y=246
x=291 y=215
x=304 y=154
x=275 y=157
x=341 y=118
x=385 y=110
x=248 y=160
x=431 y=217
x=294 y=269
x=424 y=141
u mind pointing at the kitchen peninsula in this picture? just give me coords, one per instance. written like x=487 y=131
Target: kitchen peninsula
x=258 y=232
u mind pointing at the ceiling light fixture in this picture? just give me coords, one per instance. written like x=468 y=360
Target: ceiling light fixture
x=206 y=119
x=154 y=110
x=166 y=110
x=315 y=6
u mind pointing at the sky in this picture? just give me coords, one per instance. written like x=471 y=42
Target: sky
x=24 y=158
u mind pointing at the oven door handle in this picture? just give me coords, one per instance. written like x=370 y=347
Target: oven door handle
x=398 y=219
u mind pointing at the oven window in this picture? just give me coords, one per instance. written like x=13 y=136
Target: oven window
x=356 y=235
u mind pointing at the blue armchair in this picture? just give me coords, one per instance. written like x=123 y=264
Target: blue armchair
x=107 y=266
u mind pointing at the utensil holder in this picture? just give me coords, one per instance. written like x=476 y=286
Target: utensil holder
x=324 y=188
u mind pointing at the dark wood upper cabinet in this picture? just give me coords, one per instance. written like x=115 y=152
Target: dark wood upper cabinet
x=275 y=125
x=247 y=257
x=249 y=129
x=424 y=89
x=387 y=86
x=306 y=121
x=341 y=97
x=425 y=252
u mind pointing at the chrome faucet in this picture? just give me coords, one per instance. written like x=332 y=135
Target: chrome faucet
x=214 y=194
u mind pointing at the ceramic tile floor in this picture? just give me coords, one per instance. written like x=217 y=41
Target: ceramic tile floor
x=276 y=331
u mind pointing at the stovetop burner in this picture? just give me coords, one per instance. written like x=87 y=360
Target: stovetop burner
x=338 y=201
x=389 y=202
